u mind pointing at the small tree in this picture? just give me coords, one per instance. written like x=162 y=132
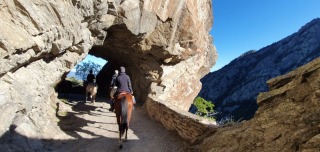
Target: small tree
x=83 y=69
x=247 y=53
x=205 y=108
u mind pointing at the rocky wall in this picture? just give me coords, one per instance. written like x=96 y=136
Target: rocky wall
x=187 y=125
x=39 y=42
x=164 y=45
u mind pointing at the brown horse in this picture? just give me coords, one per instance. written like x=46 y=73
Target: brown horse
x=123 y=108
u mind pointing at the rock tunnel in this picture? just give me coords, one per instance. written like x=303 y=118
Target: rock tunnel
x=142 y=61
x=118 y=51
x=160 y=52
x=165 y=47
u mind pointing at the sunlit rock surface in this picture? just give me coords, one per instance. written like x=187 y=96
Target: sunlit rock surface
x=164 y=45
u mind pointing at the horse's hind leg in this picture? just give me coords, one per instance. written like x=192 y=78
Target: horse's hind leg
x=93 y=100
x=120 y=141
x=85 y=100
x=126 y=134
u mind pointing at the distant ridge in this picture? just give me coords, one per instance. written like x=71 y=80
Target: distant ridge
x=234 y=88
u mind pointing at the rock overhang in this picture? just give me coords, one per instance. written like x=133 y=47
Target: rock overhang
x=160 y=48
x=166 y=47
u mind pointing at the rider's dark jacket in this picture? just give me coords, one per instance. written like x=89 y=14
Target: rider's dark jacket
x=123 y=82
x=90 y=78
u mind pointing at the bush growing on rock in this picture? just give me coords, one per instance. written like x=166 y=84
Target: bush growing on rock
x=205 y=108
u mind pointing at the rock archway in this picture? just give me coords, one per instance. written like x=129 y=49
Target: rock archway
x=164 y=45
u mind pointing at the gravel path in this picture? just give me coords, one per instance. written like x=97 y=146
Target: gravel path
x=94 y=129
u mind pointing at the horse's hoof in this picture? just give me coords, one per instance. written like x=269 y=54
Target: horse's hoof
x=120 y=146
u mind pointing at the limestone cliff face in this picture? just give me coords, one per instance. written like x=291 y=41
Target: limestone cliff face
x=39 y=42
x=234 y=88
x=164 y=45
x=288 y=117
x=160 y=48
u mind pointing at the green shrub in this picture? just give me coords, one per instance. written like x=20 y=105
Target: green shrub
x=205 y=108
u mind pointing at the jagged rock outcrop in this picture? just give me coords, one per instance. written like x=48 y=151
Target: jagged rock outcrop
x=164 y=45
x=234 y=88
x=39 y=41
x=288 y=117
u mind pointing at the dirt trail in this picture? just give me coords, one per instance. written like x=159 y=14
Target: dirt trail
x=95 y=130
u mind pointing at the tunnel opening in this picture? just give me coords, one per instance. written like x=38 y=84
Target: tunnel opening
x=74 y=81
x=123 y=48
x=120 y=48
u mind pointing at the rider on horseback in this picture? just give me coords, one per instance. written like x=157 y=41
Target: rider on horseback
x=123 y=84
x=113 y=87
x=90 y=77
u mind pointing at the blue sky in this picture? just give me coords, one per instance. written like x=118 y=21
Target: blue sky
x=242 y=25
x=94 y=59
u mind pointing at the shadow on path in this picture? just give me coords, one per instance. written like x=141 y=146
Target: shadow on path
x=93 y=128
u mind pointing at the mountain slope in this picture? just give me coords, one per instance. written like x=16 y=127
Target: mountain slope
x=287 y=120
x=234 y=88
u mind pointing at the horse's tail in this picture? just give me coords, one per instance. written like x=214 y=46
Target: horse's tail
x=92 y=88
x=124 y=115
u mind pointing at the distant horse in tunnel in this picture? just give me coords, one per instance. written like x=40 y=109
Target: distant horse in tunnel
x=123 y=108
x=91 y=88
